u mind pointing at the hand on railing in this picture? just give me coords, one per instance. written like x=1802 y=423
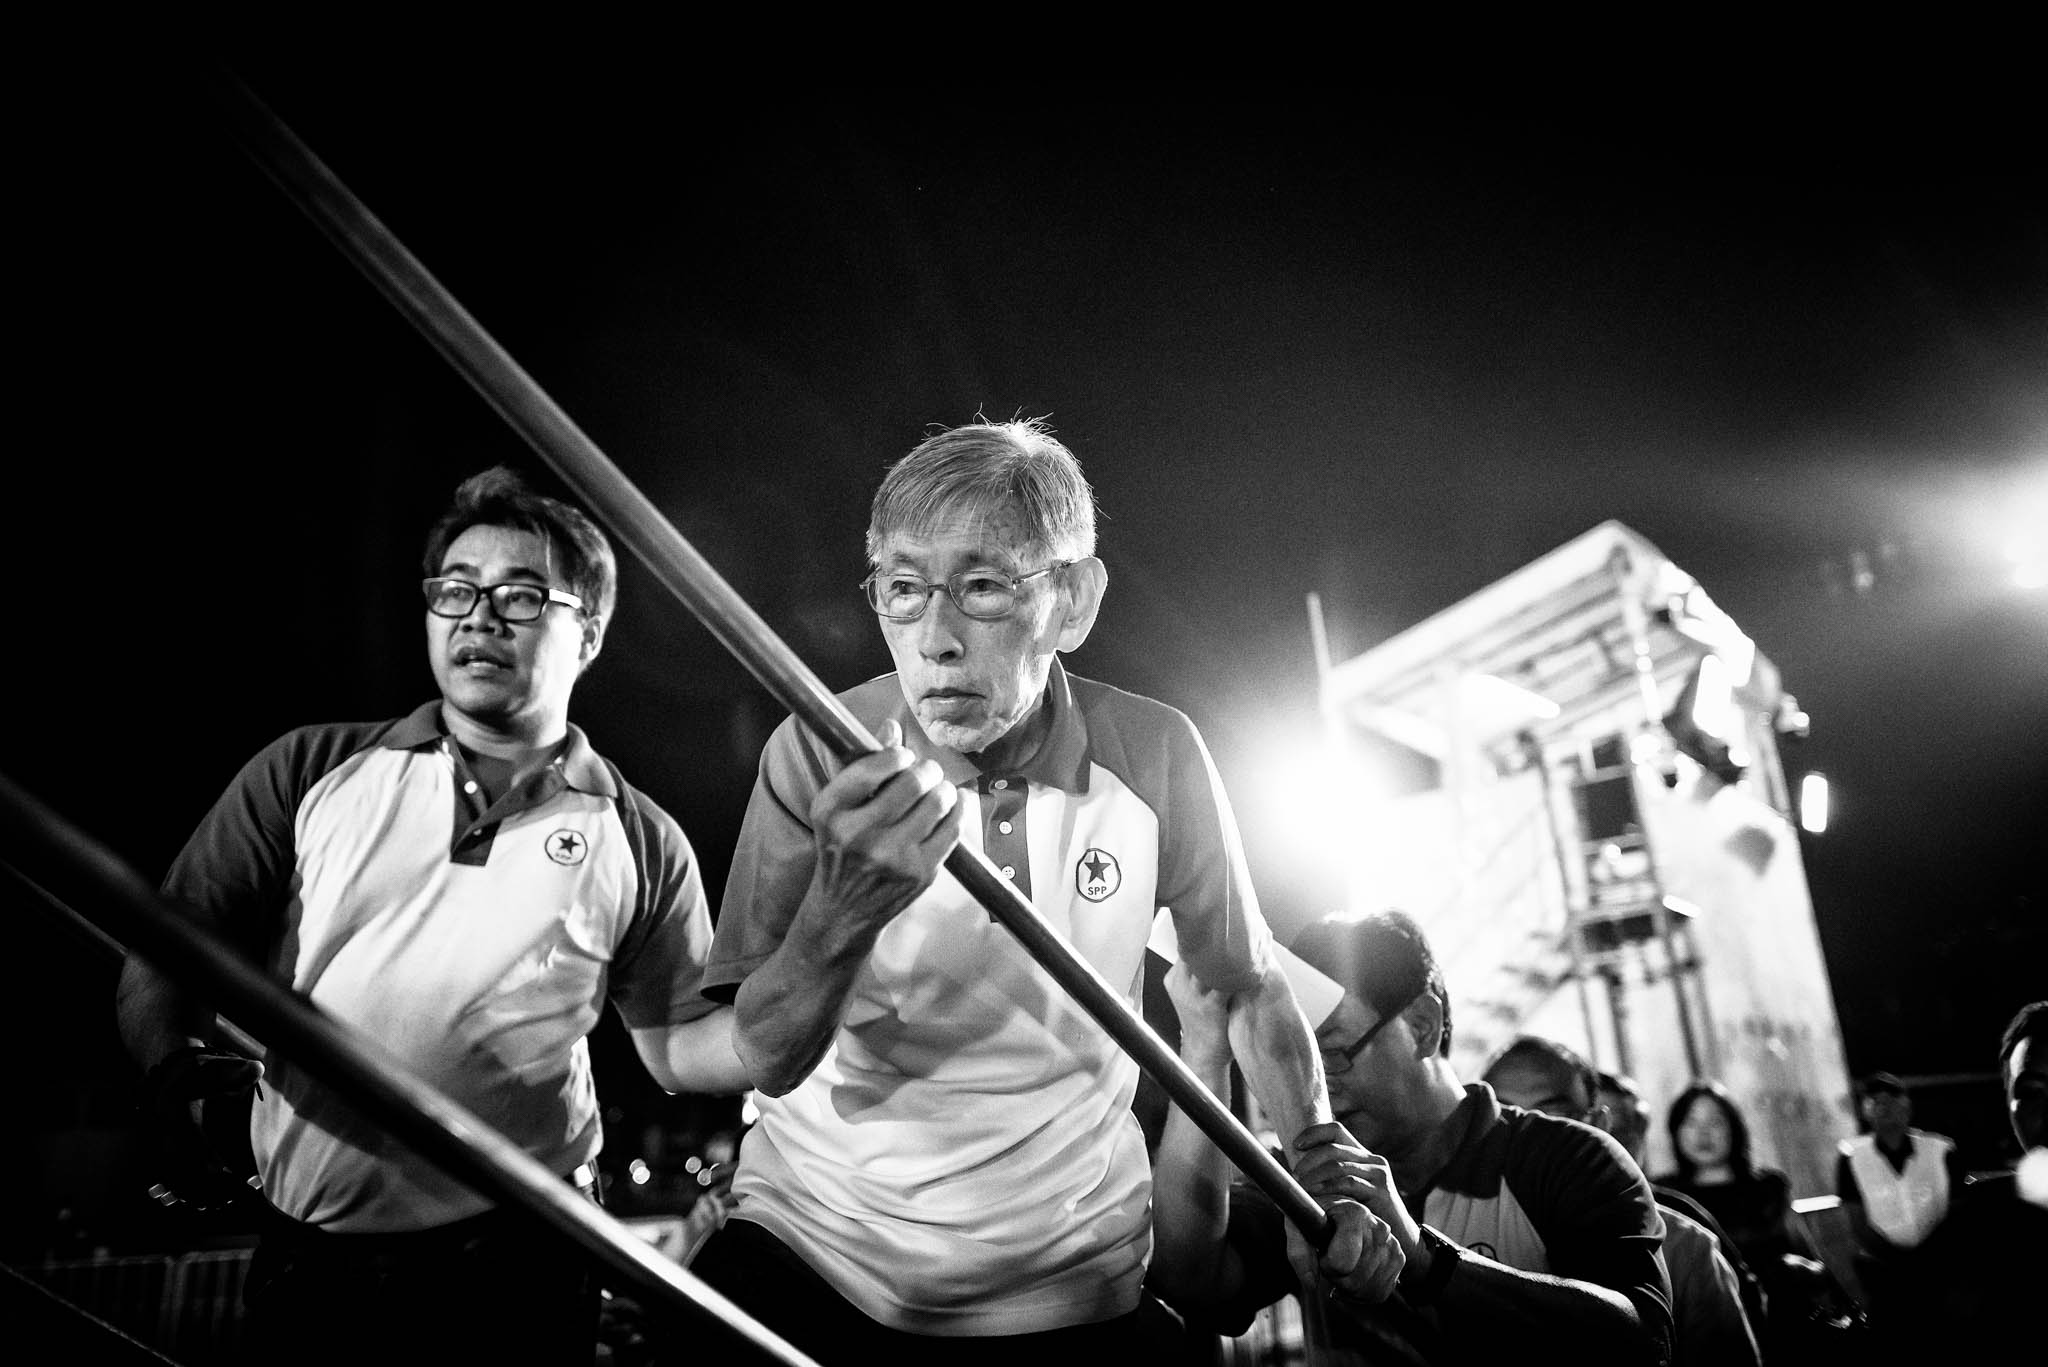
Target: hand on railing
x=176 y=1093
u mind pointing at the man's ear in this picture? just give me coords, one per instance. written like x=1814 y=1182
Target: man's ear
x=1426 y=1019
x=593 y=640
x=1082 y=585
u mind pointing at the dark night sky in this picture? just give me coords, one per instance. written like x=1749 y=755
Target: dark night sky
x=1386 y=354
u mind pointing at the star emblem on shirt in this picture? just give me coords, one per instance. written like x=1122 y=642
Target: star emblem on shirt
x=1097 y=875
x=567 y=847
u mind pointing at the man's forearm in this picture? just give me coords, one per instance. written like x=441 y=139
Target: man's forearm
x=155 y=1015
x=1277 y=1050
x=788 y=1010
x=698 y=1056
x=1490 y=1306
x=1191 y=1200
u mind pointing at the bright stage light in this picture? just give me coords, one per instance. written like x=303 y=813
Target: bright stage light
x=1305 y=798
x=2033 y=1177
x=2026 y=558
x=1813 y=803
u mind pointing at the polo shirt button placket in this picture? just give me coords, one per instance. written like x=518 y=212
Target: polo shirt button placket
x=1004 y=798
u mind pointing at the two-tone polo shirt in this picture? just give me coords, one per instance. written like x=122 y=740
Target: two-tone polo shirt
x=964 y=1159
x=476 y=942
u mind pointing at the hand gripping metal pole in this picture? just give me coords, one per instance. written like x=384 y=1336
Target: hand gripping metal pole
x=613 y=499
x=364 y=1072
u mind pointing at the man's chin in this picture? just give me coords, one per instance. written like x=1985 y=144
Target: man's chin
x=482 y=703
x=962 y=736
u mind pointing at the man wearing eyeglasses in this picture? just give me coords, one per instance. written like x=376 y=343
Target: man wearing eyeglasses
x=468 y=885
x=1520 y=1231
x=946 y=1163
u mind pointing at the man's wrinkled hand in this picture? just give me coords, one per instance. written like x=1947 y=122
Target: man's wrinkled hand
x=1361 y=1263
x=882 y=826
x=1331 y=1165
x=1204 y=1020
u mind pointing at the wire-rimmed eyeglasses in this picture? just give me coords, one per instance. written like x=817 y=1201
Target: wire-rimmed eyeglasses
x=983 y=594
x=1338 y=1059
x=512 y=601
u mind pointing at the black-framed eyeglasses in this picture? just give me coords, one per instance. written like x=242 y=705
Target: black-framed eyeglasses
x=512 y=601
x=984 y=594
x=1338 y=1059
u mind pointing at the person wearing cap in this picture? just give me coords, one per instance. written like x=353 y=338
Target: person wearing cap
x=1895 y=1183
x=1519 y=1231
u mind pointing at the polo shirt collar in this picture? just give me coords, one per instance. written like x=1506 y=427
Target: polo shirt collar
x=1477 y=1114
x=580 y=767
x=1061 y=760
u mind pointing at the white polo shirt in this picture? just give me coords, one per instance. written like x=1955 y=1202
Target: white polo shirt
x=964 y=1160
x=477 y=944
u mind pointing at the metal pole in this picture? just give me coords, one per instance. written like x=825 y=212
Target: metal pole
x=1532 y=750
x=366 y=1074
x=1617 y=1006
x=608 y=494
x=231 y=1034
x=1680 y=968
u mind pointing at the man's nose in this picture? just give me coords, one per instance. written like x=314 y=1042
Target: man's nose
x=482 y=616
x=938 y=631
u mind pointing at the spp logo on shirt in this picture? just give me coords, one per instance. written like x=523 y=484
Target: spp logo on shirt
x=1097 y=875
x=567 y=847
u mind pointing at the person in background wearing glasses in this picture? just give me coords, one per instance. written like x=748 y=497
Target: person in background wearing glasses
x=946 y=1163
x=1521 y=1232
x=467 y=885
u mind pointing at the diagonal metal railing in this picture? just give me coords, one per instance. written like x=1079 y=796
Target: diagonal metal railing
x=64 y=865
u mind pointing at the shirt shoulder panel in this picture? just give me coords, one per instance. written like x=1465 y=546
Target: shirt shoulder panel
x=657 y=971
x=1157 y=753
x=1599 y=1220
x=235 y=870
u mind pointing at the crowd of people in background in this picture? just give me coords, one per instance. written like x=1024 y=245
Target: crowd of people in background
x=1745 y=1280
x=946 y=1163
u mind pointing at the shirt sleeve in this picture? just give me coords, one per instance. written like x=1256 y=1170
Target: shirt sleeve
x=772 y=863
x=1203 y=878
x=1599 y=1220
x=235 y=874
x=657 y=971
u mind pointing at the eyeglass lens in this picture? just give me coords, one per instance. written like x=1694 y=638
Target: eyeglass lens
x=904 y=597
x=511 y=602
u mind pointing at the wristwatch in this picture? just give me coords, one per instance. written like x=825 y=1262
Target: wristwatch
x=1443 y=1261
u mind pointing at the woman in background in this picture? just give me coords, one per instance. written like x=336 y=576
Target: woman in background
x=1804 y=1305
x=1710 y=1141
